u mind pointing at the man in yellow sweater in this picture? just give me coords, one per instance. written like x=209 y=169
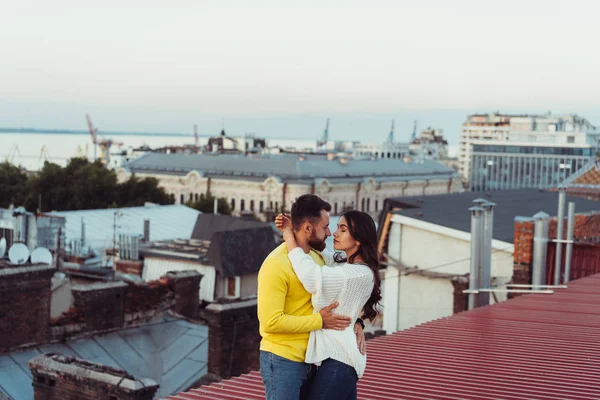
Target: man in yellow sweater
x=285 y=311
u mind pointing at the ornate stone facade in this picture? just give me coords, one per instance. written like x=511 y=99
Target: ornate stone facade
x=272 y=193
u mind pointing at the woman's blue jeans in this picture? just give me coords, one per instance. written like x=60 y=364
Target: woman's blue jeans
x=334 y=381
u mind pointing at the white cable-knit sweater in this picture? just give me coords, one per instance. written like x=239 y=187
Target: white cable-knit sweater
x=348 y=284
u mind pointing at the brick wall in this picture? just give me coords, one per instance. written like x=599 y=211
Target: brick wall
x=186 y=286
x=69 y=378
x=233 y=338
x=25 y=294
x=460 y=299
x=105 y=306
x=586 y=229
x=133 y=267
x=102 y=305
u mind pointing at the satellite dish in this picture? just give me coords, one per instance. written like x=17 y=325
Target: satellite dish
x=41 y=255
x=2 y=247
x=18 y=254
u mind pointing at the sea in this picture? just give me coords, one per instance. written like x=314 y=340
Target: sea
x=31 y=150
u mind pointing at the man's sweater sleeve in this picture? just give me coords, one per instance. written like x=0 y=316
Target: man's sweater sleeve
x=272 y=292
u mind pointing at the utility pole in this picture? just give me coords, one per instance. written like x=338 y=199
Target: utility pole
x=114 y=250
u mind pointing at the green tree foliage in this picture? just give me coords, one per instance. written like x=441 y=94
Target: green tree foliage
x=136 y=191
x=80 y=185
x=12 y=185
x=206 y=204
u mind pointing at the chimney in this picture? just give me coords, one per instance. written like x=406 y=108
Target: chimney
x=102 y=304
x=186 y=286
x=57 y=376
x=540 y=248
x=146 y=238
x=20 y=232
x=234 y=338
x=25 y=297
x=82 y=235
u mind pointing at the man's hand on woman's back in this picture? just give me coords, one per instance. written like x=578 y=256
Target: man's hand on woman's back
x=334 y=321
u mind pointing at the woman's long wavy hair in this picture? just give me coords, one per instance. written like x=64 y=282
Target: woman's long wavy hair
x=362 y=229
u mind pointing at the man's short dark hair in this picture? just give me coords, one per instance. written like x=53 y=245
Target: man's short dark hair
x=308 y=207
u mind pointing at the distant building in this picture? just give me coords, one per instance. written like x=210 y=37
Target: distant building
x=509 y=165
x=100 y=229
x=35 y=230
x=270 y=183
x=547 y=136
x=227 y=251
x=383 y=150
x=430 y=144
x=422 y=285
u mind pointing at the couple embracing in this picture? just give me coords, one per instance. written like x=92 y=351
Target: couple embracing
x=311 y=303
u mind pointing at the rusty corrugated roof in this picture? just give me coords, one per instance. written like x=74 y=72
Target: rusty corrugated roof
x=531 y=347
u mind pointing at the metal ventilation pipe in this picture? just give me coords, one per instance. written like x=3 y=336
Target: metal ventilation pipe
x=559 y=236
x=476 y=236
x=569 y=251
x=82 y=233
x=540 y=248
x=485 y=273
x=146 y=237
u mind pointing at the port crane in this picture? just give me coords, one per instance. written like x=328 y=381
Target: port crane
x=104 y=144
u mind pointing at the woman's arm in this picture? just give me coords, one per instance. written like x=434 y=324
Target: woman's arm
x=290 y=239
x=323 y=282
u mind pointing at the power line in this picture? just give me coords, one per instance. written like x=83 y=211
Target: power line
x=446 y=264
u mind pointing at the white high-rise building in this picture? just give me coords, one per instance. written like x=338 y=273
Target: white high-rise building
x=526 y=130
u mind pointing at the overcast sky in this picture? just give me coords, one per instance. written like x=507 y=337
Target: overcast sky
x=280 y=70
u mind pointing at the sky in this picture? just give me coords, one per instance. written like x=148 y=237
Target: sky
x=279 y=69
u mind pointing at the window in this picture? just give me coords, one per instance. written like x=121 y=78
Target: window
x=242 y=205
x=232 y=204
x=368 y=205
x=232 y=287
x=276 y=206
x=570 y=139
x=335 y=210
x=181 y=199
x=261 y=206
x=196 y=197
x=251 y=205
x=271 y=205
x=191 y=197
x=362 y=205
x=376 y=205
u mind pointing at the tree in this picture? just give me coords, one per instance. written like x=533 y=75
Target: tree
x=206 y=204
x=80 y=185
x=135 y=192
x=13 y=185
x=85 y=185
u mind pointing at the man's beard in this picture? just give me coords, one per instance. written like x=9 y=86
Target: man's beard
x=316 y=243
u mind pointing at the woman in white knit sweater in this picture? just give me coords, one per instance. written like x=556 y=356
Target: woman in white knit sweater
x=353 y=282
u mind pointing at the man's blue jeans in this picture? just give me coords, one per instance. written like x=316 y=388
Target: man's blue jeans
x=284 y=379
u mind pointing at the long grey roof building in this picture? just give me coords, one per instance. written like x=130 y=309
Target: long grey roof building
x=288 y=167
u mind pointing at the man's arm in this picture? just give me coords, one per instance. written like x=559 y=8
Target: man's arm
x=272 y=291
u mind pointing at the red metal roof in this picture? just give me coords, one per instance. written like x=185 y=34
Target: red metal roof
x=531 y=347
